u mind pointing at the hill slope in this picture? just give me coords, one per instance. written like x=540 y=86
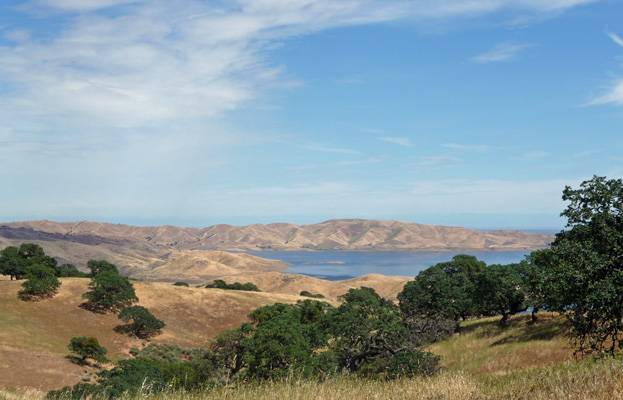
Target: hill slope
x=339 y=234
x=34 y=335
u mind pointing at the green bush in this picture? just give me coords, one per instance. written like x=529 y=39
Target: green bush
x=312 y=295
x=87 y=347
x=221 y=284
x=181 y=284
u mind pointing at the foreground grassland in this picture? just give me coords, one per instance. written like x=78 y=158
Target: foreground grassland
x=522 y=361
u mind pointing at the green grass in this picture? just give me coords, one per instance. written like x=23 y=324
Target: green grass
x=358 y=237
x=292 y=234
x=394 y=234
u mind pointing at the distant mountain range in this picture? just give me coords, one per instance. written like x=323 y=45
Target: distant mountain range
x=337 y=234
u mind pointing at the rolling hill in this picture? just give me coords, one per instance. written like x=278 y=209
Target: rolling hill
x=339 y=234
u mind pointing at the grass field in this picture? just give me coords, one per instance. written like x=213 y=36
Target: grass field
x=484 y=361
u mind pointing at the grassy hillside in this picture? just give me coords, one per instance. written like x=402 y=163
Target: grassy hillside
x=484 y=361
x=34 y=335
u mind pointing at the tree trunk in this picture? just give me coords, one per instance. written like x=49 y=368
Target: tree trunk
x=535 y=310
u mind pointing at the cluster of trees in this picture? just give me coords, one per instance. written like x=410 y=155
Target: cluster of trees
x=111 y=292
x=580 y=275
x=466 y=287
x=312 y=295
x=221 y=284
x=41 y=272
x=366 y=335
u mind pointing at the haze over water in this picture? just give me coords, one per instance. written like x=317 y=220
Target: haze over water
x=339 y=265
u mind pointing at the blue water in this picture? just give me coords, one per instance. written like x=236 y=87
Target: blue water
x=357 y=263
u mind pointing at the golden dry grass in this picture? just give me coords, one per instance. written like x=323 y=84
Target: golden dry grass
x=34 y=335
x=523 y=361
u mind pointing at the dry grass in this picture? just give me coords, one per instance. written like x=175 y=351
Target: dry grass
x=523 y=361
x=34 y=335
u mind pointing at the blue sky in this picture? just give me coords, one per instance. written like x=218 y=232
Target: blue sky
x=194 y=113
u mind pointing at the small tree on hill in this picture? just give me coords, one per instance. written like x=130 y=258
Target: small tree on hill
x=87 y=347
x=109 y=292
x=40 y=282
x=143 y=322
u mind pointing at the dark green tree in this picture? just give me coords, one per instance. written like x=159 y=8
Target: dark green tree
x=12 y=264
x=34 y=254
x=445 y=290
x=536 y=275
x=285 y=339
x=40 y=281
x=499 y=289
x=69 y=271
x=99 y=266
x=228 y=349
x=587 y=265
x=87 y=347
x=368 y=333
x=140 y=322
x=109 y=291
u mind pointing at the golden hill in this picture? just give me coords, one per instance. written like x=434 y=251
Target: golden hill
x=339 y=234
x=293 y=284
x=34 y=335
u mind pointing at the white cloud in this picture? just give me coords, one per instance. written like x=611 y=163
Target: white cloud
x=402 y=141
x=82 y=5
x=331 y=149
x=532 y=155
x=615 y=38
x=500 y=52
x=489 y=196
x=614 y=95
x=155 y=61
x=476 y=148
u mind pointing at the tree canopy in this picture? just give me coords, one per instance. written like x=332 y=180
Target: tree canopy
x=584 y=270
x=109 y=291
x=40 y=281
x=143 y=323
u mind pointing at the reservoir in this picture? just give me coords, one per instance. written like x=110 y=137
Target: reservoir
x=340 y=265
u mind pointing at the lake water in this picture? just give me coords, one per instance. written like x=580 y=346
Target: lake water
x=339 y=265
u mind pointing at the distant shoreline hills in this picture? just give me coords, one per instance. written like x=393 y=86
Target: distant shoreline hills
x=336 y=234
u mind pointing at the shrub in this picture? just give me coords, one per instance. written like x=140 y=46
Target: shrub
x=221 y=284
x=87 y=347
x=312 y=295
x=181 y=284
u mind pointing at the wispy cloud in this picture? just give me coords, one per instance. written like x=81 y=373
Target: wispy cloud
x=331 y=149
x=476 y=148
x=615 y=38
x=402 y=141
x=531 y=156
x=614 y=95
x=501 y=52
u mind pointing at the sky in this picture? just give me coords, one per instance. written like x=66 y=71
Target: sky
x=192 y=113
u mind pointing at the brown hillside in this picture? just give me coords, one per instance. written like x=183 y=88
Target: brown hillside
x=138 y=260
x=293 y=284
x=340 y=234
x=34 y=335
